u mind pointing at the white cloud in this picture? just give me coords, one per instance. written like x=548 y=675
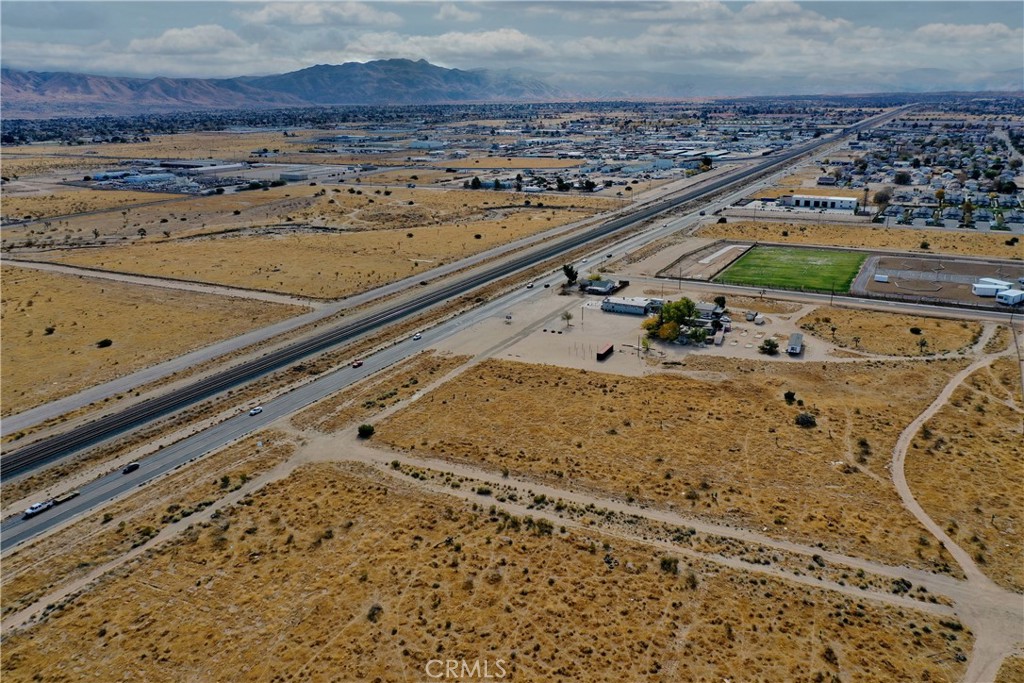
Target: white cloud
x=206 y=39
x=627 y=13
x=452 y=12
x=970 y=33
x=464 y=49
x=321 y=13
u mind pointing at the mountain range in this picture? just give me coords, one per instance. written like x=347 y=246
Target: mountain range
x=29 y=94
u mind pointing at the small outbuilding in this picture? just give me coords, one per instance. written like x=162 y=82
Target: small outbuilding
x=795 y=346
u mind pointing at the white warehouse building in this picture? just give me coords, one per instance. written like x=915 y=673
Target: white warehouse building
x=803 y=201
x=634 y=305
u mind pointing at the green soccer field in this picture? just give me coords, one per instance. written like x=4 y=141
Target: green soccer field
x=821 y=270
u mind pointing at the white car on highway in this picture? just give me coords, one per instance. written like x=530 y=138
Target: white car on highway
x=36 y=508
x=256 y=411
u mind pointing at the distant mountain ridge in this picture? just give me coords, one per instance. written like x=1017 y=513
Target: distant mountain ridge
x=36 y=95
x=30 y=94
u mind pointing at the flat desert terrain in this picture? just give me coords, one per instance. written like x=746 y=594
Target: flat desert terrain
x=54 y=323
x=377 y=577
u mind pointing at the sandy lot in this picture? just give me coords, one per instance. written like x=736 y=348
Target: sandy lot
x=888 y=333
x=619 y=434
x=52 y=324
x=946 y=279
x=965 y=467
x=72 y=552
x=323 y=244
x=75 y=201
x=372 y=579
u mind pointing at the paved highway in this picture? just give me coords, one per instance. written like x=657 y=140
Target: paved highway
x=16 y=530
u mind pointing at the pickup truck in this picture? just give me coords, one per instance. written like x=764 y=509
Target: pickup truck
x=36 y=508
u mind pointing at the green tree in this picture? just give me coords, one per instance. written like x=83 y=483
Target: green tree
x=699 y=335
x=901 y=178
x=475 y=184
x=720 y=301
x=571 y=274
x=769 y=347
x=365 y=431
x=679 y=311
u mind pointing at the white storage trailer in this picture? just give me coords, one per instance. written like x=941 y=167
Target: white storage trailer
x=1010 y=297
x=988 y=286
x=796 y=344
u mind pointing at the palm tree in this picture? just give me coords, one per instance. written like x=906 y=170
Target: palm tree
x=566 y=316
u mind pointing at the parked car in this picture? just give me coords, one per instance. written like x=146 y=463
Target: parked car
x=256 y=411
x=130 y=467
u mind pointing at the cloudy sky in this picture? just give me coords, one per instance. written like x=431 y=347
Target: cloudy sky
x=858 y=42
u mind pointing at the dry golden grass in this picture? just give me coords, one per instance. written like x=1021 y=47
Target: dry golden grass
x=216 y=144
x=77 y=201
x=35 y=161
x=1000 y=340
x=889 y=333
x=720 y=443
x=381 y=242
x=875 y=237
x=401 y=177
x=71 y=553
x=146 y=325
x=776 y=192
x=339 y=572
x=1012 y=670
x=965 y=469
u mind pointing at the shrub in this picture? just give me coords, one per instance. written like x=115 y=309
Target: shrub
x=790 y=397
x=915 y=330
x=103 y=343
x=670 y=565
x=769 y=347
x=806 y=420
x=365 y=431
x=925 y=245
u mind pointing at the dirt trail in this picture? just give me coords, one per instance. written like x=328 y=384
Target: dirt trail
x=995 y=615
x=167 y=283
